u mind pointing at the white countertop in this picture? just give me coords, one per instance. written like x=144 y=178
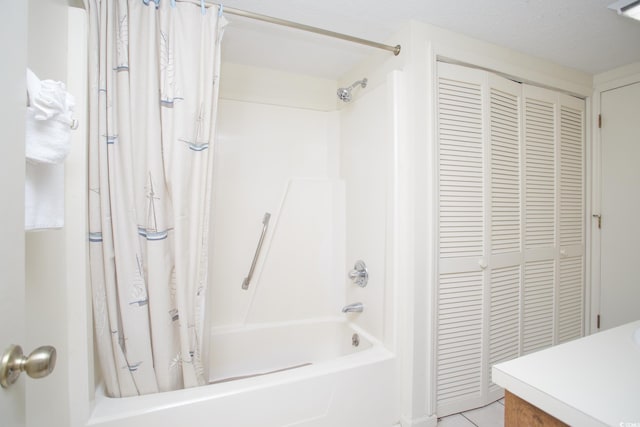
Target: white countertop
x=592 y=381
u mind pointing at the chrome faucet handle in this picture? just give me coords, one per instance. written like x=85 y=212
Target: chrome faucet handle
x=359 y=275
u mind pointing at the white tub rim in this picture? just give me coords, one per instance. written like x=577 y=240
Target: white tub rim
x=107 y=408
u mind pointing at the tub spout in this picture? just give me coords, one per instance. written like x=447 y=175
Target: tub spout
x=356 y=307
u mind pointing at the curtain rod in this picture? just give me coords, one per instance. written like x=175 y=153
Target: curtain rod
x=296 y=25
x=303 y=27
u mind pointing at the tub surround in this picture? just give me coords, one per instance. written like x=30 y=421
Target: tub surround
x=592 y=381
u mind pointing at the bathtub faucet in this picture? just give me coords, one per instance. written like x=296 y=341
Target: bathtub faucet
x=356 y=307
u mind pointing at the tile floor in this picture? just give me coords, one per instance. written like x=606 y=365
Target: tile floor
x=488 y=416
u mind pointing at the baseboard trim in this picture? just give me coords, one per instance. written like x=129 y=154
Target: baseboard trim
x=428 y=421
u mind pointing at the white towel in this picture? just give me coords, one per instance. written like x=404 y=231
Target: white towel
x=47 y=143
x=48 y=120
x=44 y=196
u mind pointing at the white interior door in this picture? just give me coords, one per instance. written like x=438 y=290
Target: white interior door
x=34 y=312
x=620 y=201
x=13 y=48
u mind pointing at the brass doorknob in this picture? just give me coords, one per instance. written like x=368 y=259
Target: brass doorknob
x=38 y=364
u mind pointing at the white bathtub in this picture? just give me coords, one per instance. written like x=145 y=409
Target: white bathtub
x=303 y=374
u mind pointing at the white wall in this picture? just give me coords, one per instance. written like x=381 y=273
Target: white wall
x=274 y=87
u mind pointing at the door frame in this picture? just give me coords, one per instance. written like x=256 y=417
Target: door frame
x=13 y=45
x=603 y=82
x=81 y=370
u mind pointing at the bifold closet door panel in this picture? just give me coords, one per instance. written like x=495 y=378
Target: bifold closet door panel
x=461 y=242
x=503 y=195
x=479 y=233
x=540 y=217
x=570 y=292
x=553 y=292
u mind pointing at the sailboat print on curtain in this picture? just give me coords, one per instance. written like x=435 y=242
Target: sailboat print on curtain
x=151 y=232
x=122 y=44
x=139 y=296
x=95 y=236
x=110 y=137
x=169 y=94
x=133 y=366
x=197 y=142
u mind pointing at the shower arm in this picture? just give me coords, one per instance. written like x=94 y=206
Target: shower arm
x=362 y=83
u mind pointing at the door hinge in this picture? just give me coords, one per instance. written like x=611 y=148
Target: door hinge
x=598 y=321
x=599 y=121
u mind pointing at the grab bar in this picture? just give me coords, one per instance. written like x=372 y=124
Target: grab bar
x=265 y=225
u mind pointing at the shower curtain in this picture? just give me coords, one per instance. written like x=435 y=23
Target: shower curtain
x=154 y=73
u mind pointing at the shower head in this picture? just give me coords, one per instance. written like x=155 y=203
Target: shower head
x=344 y=93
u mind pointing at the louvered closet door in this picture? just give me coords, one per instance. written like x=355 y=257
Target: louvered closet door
x=505 y=213
x=510 y=276
x=462 y=235
x=570 y=290
x=480 y=233
x=553 y=292
x=540 y=217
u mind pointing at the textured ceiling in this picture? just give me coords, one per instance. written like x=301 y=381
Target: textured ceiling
x=581 y=34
